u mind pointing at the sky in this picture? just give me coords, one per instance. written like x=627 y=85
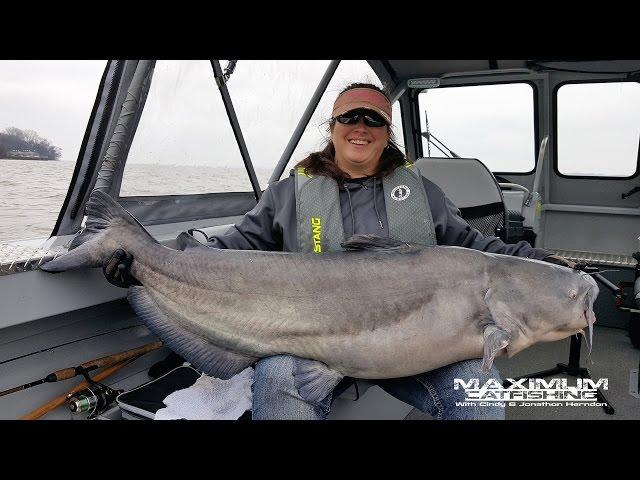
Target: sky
x=52 y=97
x=184 y=121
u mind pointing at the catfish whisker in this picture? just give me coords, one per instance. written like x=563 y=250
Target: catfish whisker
x=589 y=344
x=601 y=271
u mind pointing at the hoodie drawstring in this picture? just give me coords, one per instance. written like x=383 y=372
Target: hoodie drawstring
x=375 y=204
x=353 y=218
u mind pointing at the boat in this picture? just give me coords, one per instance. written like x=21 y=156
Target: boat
x=565 y=178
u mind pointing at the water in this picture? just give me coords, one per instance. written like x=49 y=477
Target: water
x=32 y=192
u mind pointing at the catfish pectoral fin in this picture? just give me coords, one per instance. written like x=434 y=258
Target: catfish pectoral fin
x=313 y=379
x=205 y=356
x=495 y=339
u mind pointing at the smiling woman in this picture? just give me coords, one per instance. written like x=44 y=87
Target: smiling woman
x=358 y=145
x=362 y=142
x=361 y=130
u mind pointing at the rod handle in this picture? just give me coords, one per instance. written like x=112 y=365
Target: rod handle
x=119 y=357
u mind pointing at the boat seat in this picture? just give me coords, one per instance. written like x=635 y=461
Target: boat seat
x=471 y=186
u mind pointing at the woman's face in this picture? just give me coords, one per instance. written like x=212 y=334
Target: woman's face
x=358 y=146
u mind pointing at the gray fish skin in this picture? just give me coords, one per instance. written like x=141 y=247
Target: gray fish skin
x=367 y=314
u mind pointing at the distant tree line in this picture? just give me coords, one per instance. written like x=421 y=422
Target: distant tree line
x=14 y=139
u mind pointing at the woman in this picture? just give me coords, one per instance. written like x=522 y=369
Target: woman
x=358 y=184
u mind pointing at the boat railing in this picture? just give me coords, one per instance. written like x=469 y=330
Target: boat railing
x=21 y=256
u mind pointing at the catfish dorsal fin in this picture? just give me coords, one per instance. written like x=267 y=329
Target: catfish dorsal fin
x=377 y=244
x=102 y=211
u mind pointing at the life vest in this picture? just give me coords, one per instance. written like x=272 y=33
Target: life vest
x=319 y=216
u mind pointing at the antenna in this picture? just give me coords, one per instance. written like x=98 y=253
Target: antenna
x=431 y=139
x=426 y=121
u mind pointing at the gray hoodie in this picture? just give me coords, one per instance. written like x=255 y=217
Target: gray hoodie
x=272 y=225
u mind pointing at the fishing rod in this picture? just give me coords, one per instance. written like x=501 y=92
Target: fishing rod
x=61 y=399
x=67 y=373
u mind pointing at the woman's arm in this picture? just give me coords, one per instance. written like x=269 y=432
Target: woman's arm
x=255 y=231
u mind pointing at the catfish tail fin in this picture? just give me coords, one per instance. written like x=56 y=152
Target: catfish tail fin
x=94 y=244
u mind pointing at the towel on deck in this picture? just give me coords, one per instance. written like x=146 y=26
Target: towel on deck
x=210 y=399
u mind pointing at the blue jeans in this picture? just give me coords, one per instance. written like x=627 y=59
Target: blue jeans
x=275 y=396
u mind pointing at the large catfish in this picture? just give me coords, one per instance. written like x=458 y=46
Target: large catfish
x=385 y=309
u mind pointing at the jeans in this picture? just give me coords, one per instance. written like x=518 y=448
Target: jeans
x=275 y=396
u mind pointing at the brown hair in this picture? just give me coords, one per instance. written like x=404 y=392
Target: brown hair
x=324 y=162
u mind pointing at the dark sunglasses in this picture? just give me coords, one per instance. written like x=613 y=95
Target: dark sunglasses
x=371 y=119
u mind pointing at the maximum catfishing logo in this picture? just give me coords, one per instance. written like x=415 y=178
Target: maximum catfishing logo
x=316 y=226
x=531 y=392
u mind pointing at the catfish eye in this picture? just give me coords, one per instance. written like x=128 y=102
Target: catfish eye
x=573 y=294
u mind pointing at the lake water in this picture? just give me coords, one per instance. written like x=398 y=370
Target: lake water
x=32 y=192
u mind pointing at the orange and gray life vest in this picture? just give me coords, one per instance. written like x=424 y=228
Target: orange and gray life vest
x=319 y=217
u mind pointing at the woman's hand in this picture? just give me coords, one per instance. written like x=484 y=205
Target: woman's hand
x=558 y=260
x=117 y=270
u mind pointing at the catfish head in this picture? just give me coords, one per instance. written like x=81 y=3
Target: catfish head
x=576 y=312
x=535 y=301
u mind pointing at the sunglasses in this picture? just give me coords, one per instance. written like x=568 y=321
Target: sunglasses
x=371 y=119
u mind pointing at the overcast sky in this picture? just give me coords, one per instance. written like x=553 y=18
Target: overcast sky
x=52 y=97
x=184 y=121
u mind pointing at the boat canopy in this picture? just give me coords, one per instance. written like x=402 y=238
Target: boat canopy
x=125 y=86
